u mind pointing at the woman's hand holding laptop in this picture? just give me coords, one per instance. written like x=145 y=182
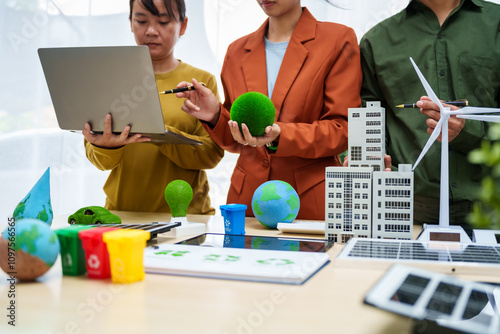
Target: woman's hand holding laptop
x=110 y=140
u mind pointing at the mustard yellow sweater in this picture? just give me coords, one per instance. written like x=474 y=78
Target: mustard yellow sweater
x=140 y=172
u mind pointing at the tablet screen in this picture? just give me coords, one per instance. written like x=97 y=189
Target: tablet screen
x=259 y=242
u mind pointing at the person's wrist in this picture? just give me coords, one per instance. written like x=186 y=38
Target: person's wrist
x=273 y=146
x=215 y=120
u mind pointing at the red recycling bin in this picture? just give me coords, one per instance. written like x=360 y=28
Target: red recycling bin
x=96 y=252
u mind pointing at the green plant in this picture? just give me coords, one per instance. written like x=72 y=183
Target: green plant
x=486 y=211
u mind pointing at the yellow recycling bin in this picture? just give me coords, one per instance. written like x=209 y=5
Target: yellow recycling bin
x=126 y=254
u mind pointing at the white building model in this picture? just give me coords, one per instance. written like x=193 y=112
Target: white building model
x=362 y=200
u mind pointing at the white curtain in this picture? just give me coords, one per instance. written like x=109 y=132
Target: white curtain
x=30 y=139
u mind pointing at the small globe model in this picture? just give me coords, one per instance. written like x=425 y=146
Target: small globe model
x=275 y=202
x=35 y=246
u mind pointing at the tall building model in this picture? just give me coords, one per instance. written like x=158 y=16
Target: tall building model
x=362 y=200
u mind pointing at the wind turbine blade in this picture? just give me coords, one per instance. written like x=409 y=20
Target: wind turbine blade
x=475 y=110
x=432 y=138
x=484 y=118
x=427 y=87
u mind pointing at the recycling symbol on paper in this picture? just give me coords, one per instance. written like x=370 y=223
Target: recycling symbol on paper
x=94 y=262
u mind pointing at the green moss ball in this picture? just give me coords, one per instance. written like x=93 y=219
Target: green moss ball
x=254 y=109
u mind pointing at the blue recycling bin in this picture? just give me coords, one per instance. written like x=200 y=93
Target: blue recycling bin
x=234 y=218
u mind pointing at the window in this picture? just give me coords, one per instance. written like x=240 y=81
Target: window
x=355 y=153
x=397 y=193
x=405 y=182
x=346 y=238
x=400 y=216
x=397 y=205
x=397 y=228
x=373 y=140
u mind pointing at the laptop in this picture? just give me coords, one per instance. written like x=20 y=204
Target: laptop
x=86 y=83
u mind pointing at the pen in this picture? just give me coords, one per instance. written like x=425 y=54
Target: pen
x=459 y=103
x=178 y=90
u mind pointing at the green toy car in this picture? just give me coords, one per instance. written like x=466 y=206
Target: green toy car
x=93 y=215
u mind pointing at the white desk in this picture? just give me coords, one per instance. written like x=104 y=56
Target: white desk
x=331 y=301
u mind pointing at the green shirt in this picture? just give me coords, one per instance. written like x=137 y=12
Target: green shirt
x=460 y=60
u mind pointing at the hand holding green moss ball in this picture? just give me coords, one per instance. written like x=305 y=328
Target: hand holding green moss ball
x=254 y=109
x=178 y=195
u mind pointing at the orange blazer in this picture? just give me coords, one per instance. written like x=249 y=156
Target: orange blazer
x=319 y=79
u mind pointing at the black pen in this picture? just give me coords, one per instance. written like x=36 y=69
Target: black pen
x=459 y=103
x=178 y=90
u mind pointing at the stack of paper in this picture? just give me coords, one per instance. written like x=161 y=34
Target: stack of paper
x=233 y=263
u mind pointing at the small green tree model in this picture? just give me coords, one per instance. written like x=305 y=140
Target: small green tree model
x=486 y=212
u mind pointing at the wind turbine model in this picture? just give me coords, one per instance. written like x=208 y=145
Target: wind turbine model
x=445 y=232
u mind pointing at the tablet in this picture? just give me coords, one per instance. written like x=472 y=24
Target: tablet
x=259 y=242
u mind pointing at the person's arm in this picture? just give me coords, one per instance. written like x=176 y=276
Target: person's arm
x=328 y=135
x=203 y=156
x=370 y=89
x=110 y=140
x=103 y=158
x=204 y=105
x=105 y=150
x=463 y=135
x=208 y=154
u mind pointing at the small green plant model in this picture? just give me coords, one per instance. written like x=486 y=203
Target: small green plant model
x=486 y=212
